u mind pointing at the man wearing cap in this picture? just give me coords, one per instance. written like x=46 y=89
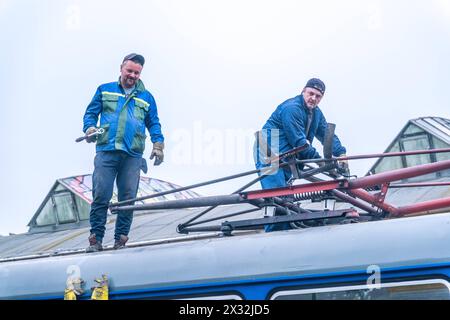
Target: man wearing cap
x=295 y=123
x=126 y=109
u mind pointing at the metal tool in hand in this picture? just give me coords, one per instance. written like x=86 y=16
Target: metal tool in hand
x=97 y=132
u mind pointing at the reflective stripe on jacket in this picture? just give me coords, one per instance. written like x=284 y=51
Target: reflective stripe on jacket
x=124 y=118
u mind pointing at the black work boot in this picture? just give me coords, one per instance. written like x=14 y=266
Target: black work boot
x=119 y=244
x=94 y=245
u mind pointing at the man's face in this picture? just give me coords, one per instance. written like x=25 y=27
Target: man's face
x=129 y=73
x=312 y=97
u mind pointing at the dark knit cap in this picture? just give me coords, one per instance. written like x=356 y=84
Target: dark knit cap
x=316 y=84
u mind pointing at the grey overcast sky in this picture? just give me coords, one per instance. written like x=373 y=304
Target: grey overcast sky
x=217 y=68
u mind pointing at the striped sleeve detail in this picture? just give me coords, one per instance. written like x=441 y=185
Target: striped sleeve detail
x=113 y=94
x=142 y=101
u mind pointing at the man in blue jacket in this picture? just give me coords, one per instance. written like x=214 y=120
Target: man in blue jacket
x=126 y=109
x=295 y=123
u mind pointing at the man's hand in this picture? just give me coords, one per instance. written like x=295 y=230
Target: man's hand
x=157 y=153
x=92 y=138
x=343 y=166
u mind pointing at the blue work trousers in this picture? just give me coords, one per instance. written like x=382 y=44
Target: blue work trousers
x=277 y=179
x=109 y=166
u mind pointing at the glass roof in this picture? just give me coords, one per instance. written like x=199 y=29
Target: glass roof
x=418 y=134
x=82 y=186
x=68 y=202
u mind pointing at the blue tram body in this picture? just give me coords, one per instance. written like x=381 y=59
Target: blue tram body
x=406 y=258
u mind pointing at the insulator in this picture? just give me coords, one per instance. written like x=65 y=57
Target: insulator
x=312 y=195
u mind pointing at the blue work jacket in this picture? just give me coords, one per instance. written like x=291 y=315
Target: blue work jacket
x=124 y=118
x=291 y=118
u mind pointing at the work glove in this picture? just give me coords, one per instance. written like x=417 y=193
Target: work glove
x=157 y=153
x=331 y=172
x=343 y=166
x=92 y=138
